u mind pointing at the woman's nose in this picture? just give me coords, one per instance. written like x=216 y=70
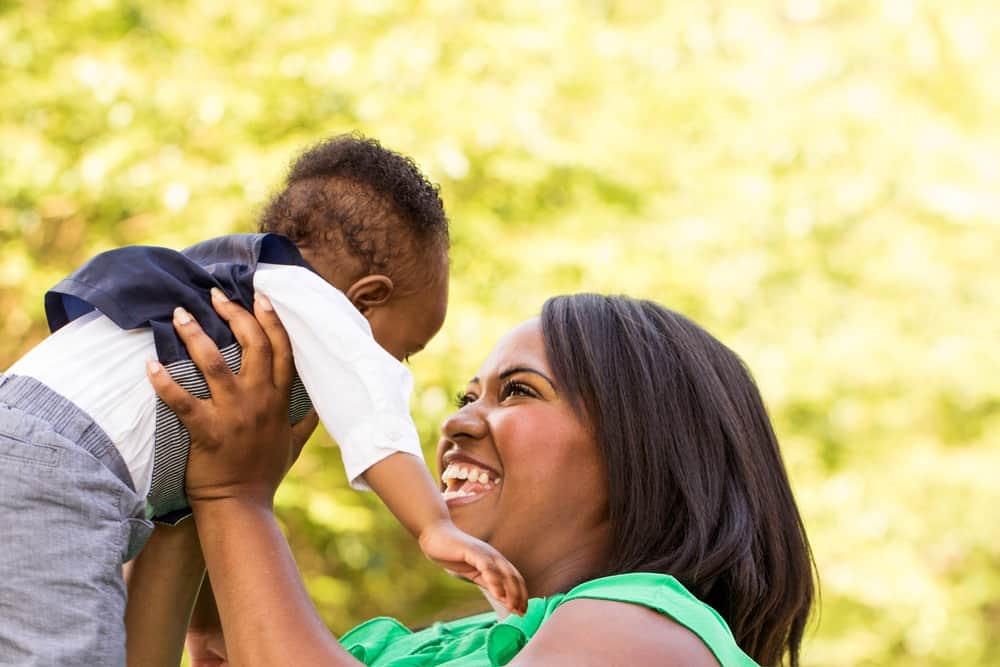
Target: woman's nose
x=468 y=422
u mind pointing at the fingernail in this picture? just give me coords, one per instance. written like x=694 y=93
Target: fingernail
x=264 y=302
x=219 y=295
x=182 y=316
x=153 y=366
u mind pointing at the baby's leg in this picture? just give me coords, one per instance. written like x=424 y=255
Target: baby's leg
x=68 y=519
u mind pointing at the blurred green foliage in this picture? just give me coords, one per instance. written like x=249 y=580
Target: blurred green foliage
x=813 y=180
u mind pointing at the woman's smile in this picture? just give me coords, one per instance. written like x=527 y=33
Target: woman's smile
x=466 y=479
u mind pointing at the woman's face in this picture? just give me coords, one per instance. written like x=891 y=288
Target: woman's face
x=522 y=471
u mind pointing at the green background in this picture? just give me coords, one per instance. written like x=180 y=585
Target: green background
x=814 y=181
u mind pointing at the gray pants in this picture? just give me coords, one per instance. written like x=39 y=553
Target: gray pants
x=69 y=518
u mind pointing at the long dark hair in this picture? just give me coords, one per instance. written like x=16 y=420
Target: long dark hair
x=697 y=487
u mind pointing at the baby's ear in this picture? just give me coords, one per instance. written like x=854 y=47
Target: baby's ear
x=370 y=292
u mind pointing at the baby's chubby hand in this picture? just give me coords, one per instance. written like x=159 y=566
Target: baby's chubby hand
x=464 y=556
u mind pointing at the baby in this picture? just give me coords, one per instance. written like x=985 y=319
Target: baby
x=353 y=257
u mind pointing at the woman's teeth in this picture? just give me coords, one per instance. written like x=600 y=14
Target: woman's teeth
x=467 y=472
x=448 y=495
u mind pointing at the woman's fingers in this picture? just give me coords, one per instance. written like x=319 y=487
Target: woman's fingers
x=302 y=431
x=204 y=353
x=267 y=352
x=184 y=405
x=256 y=363
x=281 y=347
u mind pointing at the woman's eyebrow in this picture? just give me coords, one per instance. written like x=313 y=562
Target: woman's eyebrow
x=526 y=369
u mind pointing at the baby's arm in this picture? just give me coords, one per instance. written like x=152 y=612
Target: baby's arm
x=404 y=484
x=362 y=395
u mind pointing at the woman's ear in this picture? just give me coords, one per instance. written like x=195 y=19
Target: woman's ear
x=370 y=292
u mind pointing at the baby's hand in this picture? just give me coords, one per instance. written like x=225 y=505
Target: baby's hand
x=472 y=559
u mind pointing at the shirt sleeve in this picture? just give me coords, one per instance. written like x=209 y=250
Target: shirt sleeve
x=360 y=391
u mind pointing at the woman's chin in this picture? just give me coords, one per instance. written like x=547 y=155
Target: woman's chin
x=473 y=514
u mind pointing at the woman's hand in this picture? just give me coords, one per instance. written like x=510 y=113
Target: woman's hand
x=241 y=442
x=241 y=447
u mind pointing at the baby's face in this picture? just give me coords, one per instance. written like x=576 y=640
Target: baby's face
x=405 y=324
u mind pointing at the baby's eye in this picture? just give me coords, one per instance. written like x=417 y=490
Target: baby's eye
x=463 y=398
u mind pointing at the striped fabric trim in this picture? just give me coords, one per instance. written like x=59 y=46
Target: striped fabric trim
x=172 y=442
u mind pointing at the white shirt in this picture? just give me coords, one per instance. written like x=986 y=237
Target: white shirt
x=359 y=390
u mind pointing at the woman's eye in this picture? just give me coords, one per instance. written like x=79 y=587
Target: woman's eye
x=513 y=388
x=463 y=398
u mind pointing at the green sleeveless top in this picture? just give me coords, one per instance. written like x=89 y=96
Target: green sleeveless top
x=484 y=641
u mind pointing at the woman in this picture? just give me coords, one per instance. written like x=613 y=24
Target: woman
x=641 y=494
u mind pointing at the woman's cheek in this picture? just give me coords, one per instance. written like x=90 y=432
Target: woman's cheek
x=519 y=428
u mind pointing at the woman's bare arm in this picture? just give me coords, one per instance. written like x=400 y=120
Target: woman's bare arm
x=162 y=582
x=267 y=616
x=241 y=447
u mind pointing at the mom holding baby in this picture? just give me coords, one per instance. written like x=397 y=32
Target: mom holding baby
x=618 y=455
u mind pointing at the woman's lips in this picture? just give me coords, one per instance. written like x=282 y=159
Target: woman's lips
x=469 y=492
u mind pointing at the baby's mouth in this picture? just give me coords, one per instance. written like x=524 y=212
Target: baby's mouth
x=465 y=480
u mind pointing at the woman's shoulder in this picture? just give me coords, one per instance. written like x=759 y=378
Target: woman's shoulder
x=586 y=631
x=642 y=612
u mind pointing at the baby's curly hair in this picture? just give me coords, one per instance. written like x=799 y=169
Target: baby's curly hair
x=350 y=192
